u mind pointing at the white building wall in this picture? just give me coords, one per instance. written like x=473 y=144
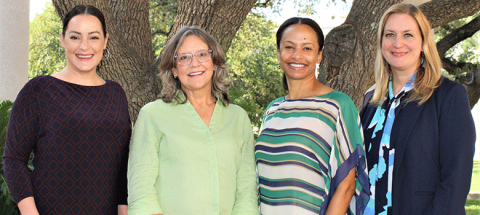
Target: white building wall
x=14 y=34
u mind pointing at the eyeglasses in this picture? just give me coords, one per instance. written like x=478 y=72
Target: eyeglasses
x=185 y=59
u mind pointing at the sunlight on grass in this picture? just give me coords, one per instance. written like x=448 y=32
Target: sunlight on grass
x=475 y=187
x=472 y=207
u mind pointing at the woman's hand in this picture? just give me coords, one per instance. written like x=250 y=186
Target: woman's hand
x=27 y=206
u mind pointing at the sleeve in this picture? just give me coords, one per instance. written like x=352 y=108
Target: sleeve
x=456 y=149
x=366 y=99
x=349 y=153
x=246 y=201
x=20 y=139
x=265 y=114
x=123 y=189
x=143 y=165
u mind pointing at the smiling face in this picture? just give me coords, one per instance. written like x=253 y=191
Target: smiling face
x=195 y=76
x=402 y=43
x=299 y=52
x=83 y=43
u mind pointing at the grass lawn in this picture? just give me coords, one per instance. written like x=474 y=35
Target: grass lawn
x=475 y=186
x=472 y=207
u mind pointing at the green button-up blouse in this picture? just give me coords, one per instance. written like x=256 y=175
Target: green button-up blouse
x=178 y=165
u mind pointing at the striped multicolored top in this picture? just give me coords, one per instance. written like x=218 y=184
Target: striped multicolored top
x=305 y=149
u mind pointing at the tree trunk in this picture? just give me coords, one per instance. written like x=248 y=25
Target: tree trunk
x=349 y=54
x=130 y=47
x=350 y=49
x=472 y=81
x=131 y=61
x=220 y=18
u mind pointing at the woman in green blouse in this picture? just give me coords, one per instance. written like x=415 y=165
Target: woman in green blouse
x=191 y=151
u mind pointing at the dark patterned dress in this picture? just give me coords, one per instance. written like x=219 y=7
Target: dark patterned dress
x=79 y=136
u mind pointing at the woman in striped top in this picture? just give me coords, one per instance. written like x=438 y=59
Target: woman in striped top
x=309 y=154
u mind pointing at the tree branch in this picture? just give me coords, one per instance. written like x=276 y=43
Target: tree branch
x=264 y=4
x=455 y=68
x=162 y=32
x=467 y=79
x=458 y=35
x=156 y=5
x=441 y=12
x=470 y=77
x=472 y=82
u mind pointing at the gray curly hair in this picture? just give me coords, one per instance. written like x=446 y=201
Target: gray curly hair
x=171 y=85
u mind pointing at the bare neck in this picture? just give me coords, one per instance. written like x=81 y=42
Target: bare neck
x=200 y=99
x=298 y=89
x=400 y=79
x=203 y=102
x=85 y=79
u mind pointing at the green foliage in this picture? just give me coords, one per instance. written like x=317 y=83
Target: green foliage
x=162 y=18
x=5 y=108
x=467 y=51
x=45 y=44
x=7 y=204
x=46 y=55
x=306 y=7
x=252 y=59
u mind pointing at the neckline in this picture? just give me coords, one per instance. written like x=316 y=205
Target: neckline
x=216 y=109
x=311 y=97
x=79 y=85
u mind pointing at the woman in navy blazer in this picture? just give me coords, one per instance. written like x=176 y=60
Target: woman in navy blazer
x=418 y=128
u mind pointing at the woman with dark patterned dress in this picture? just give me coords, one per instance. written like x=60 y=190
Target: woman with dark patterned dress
x=77 y=126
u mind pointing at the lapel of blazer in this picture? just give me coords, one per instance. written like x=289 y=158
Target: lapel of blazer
x=402 y=129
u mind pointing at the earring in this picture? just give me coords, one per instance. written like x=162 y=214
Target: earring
x=422 y=60
x=175 y=76
x=106 y=55
x=60 y=53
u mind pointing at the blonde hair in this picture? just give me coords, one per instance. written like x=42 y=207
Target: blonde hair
x=171 y=85
x=427 y=78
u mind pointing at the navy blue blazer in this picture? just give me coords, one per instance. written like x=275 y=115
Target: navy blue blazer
x=434 y=147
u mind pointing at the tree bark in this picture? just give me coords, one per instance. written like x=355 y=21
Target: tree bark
x=472 y=81
x=354 y=75
x=349 y=54
x=441 y=12
x=458 y=35
x=131 y=61
x=220 y=18
x=473 y=87
x=130 y=47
